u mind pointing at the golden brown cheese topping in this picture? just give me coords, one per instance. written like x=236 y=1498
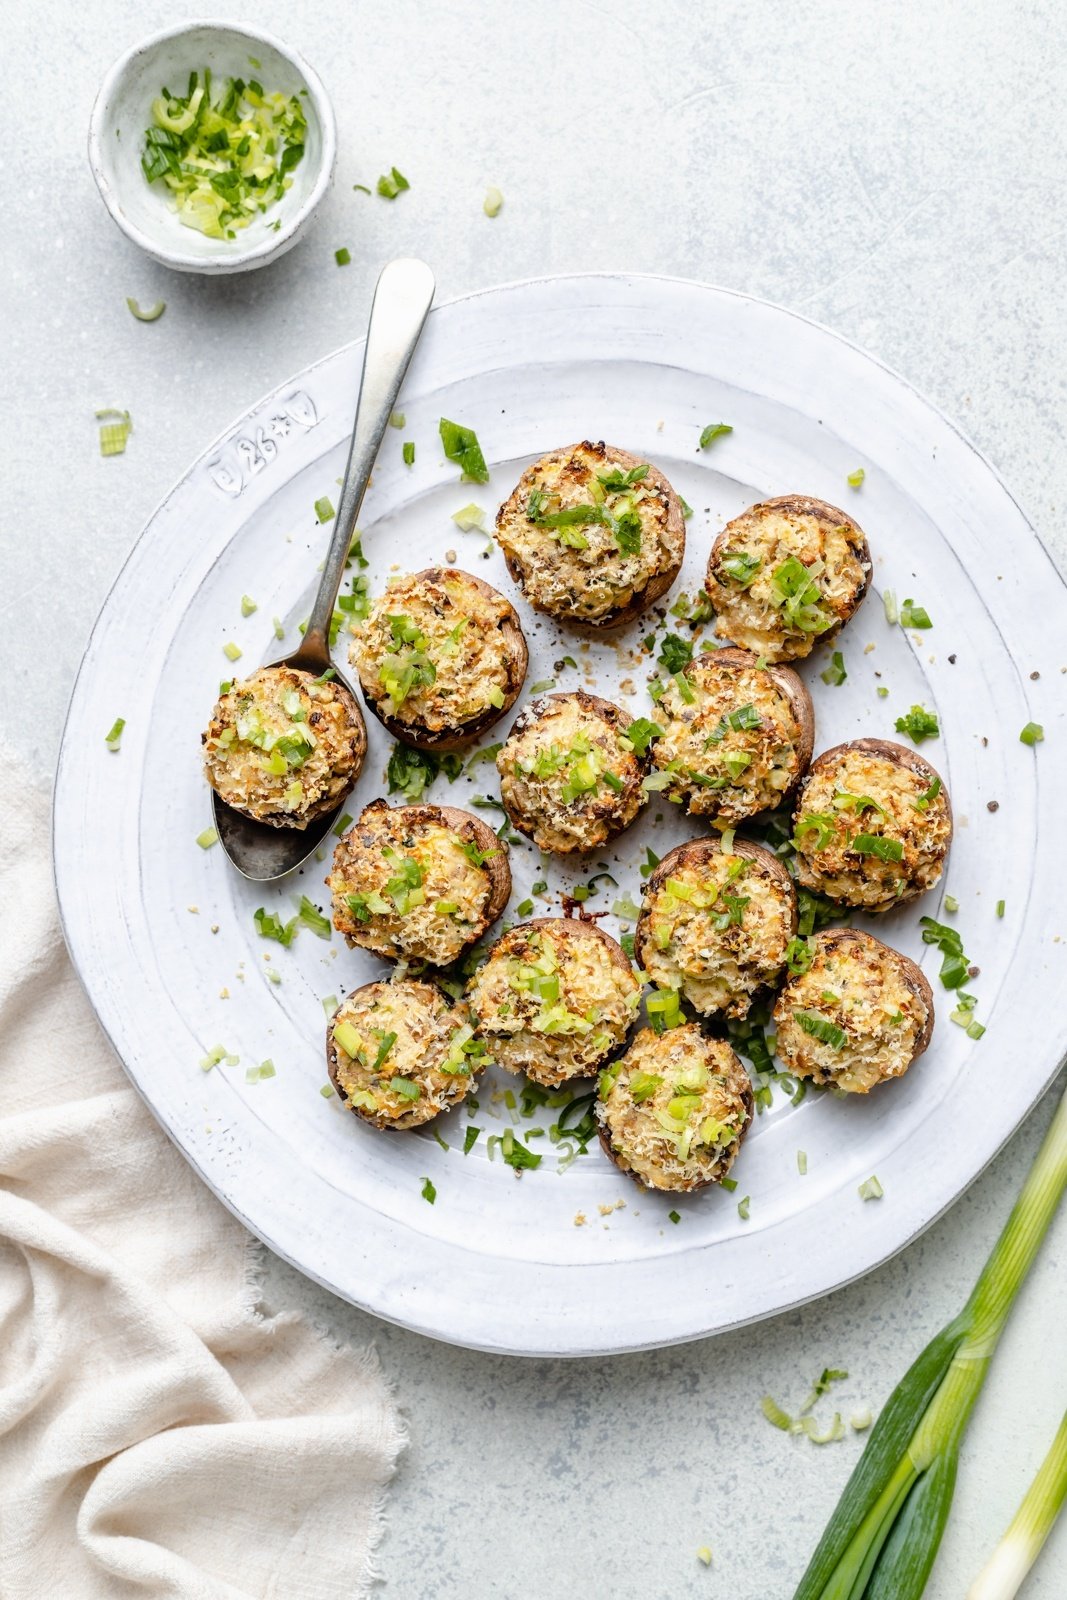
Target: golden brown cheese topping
x=400 y=1053
x=568 y=775
x=781 y=577
x=552 y=1004
x=717 y=930
x=855 y=1018
x=406 y=886
x=731 y=740
x=869 y=831
x=431 y=651
x=674 y=1108
x=588 y=534
x=284 y=746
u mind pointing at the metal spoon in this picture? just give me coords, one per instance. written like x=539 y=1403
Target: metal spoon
x=402 y=300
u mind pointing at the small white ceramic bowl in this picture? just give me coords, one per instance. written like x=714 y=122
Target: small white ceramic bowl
x=123 y=111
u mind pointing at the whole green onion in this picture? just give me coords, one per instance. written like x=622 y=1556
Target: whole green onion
x=881 y=1541
x=1031 y=1525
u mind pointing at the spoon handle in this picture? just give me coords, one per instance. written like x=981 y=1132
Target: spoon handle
x=402 y=300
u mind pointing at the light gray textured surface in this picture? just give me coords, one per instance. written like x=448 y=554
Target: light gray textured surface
x=894 y=171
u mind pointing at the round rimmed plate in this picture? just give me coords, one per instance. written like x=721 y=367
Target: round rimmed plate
x=162 y=931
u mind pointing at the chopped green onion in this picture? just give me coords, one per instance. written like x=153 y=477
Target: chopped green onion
x=342 y=823
x=687 y=510
x=324 y=509
x=428 y=1191
x=153 y=313
x=279 y=630
x=919 y=724
x=247 y=606
x=913 y=616
x=206 y=839
x=874 y=844
x=397 y=419
x=1000 y=908
x=802 y=1162
x=775 y=1415
x=524 y=908
x=231 y=651
x=326 y=1091
x=713 y=431
x=704 y=1555
x=1032 y=734
x=492 y=203
x=743 y=1207
x=113 y=737
x=342 y=256
x=835 y=673
x=470 y=1139
x=674 y=1217
x=951 y=903
x=312 y=918
x=391 y=184
x=461 y=445
x=266 y=1069
x=855 y=479
x=270 y=926
x=870 y=1189
x=889 y=605
x=821 y=1028
x=882 y=692
x=113 y=435
x=407 y=450
x=360 y=188
x=542 y=685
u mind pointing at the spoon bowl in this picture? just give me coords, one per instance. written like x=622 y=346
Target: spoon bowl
x=402 y=299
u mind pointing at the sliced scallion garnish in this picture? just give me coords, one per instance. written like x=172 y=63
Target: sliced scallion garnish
x=113 y=738
x=153 y=313
x=713 y=431
x=207 y=838
x=855 y=479
x=493 y=201
x=342 y=256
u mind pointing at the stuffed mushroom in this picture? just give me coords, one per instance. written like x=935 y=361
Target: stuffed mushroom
x=716 y=924
x=873 y=825
x=785 y=574
x=400 y=1053
x=284 y=746
x=673 y=1110
x=440 y=657
x=735 y=736
x=554 y=999
x=592 y=534
x=858 y=1016
x=570 y=776
x=420 y=883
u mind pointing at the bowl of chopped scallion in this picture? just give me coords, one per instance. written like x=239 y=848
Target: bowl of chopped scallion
x=212 y=146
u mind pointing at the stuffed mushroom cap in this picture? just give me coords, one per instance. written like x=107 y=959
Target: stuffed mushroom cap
x=570 y=778
x=440 y=656
x=785 y=574
x=418 y=883
x=736 y=736
x=716 y=924
x=858 y=1016
x=873 y=825
x=400 y=1053
x=284 y=746
x=592 y=534
x=554 y=999
x=673 y=1110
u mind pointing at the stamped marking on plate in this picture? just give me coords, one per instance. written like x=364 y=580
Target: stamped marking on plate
x=247 y=454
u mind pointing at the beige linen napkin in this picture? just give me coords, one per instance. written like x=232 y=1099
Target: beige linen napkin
x=157 y=1435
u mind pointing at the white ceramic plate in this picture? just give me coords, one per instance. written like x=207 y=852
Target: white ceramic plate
x=498 y=1262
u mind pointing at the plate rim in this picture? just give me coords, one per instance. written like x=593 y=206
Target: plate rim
x=410 y=1322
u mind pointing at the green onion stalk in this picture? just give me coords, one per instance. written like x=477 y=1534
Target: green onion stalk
x=1031 y=1525
x=881 y=1541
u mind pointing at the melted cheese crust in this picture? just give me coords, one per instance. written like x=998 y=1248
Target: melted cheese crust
x=587 y=584
x=410 y=926
x=553 y=1005
x=835 y=869
x=693 y=1106
x=773 y=748
x=753 y=617
x=461 y=624
x=550 y=748
x=860 y=986
x=428 y=1035
x=311 y=731
x=717 y=968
